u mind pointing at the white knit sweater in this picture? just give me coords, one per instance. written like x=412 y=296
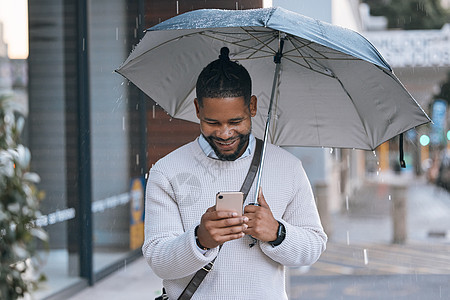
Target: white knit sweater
x=182 y=185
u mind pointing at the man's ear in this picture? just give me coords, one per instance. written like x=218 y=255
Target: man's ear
x=253 y=105
x=197 y=108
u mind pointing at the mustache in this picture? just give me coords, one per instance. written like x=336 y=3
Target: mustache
x=224 y=140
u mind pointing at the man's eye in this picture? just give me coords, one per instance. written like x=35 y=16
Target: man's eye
x=235 y=122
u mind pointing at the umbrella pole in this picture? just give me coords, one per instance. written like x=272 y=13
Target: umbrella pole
x=276 y=77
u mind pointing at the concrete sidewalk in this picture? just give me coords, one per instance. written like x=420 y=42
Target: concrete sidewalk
x=359 y=246
x=135 y=281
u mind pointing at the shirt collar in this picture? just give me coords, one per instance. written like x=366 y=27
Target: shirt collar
x=209 y=151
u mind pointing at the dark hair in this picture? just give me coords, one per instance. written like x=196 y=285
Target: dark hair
x=224 y=78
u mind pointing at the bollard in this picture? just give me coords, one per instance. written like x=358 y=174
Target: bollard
x=321 y=191
x=398 y=213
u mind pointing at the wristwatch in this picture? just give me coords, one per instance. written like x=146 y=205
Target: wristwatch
x=281 y=234
x=197 y=241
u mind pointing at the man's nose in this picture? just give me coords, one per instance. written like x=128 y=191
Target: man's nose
x=225 y=132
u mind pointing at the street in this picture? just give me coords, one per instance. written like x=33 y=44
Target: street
x=362 y=263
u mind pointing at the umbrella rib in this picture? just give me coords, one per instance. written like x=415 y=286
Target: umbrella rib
x=308 y=46
x=253 y=48
x=162 y=44
x=309 y=67
x=351 y=99
x=298 y=51
x=295 y=48
x=235 y=43
x=248 y=32
x=231 y=34
x=202 y=33
x=256 y=50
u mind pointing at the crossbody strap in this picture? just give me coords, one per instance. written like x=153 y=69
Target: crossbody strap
x=245 y=188
x=248 y=181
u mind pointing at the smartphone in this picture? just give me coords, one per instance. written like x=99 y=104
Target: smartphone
x=230 y=201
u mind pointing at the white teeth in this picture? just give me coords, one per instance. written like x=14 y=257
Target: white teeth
x=226 y=144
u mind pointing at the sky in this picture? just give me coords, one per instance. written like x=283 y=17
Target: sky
x=13 y=15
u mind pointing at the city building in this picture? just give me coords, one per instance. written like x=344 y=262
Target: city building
x=93 y=136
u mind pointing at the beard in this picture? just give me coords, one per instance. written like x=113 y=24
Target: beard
x=243 y=140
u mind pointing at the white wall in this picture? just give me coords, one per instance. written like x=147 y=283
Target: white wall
x=345 y=13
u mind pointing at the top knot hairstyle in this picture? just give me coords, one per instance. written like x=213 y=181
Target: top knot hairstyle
x=224 y=78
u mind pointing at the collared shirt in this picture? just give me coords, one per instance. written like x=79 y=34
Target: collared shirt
x=209 y=151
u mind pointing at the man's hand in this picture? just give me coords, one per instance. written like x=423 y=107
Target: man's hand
x=218 y=227
x=261 y=225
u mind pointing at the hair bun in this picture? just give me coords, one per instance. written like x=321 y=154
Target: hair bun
x=224 y=52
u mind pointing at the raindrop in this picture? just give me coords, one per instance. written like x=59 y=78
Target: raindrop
x=84 y=42
x=178 y=9
x=123 y=123
x=122 y=83
x=237 y=6
x=331 y=150
x=170 y=120
x=366 y=259
x=374 y=153
x=390 y=198
x=348 y=238
x=137 y=159
x=346 y=202
x=378 y=173
x=117 y=33
x=154 y=111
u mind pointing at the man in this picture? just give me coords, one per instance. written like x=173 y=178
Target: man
x=183 y=230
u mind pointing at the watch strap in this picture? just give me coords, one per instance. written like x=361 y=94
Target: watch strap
x=281 y=234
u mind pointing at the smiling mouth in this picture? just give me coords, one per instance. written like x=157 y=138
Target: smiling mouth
x=225 y=144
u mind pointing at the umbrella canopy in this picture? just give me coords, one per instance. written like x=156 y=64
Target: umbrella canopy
x=333 y=89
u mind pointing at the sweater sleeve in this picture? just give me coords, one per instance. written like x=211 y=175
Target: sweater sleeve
x=305 y=238
x=169 y=249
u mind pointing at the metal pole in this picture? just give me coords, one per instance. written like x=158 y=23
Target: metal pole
x=276 y=77
x=84 y=144
x=142 y=100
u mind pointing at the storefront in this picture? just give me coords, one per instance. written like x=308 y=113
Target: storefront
x=92 y=135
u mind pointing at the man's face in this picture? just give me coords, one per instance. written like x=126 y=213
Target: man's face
x=226 y=124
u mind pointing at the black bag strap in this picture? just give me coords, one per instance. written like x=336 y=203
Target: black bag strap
x=201 y=274
x=248 y=181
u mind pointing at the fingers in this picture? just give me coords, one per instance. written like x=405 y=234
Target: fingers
x=218 y=227
x=212 y=237
x=261 y=199
x=212 y=214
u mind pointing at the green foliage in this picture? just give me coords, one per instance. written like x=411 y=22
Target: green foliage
x=19 y=208
x=410 y=14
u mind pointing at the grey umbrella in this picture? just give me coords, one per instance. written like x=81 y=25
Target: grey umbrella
x=317 y=84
